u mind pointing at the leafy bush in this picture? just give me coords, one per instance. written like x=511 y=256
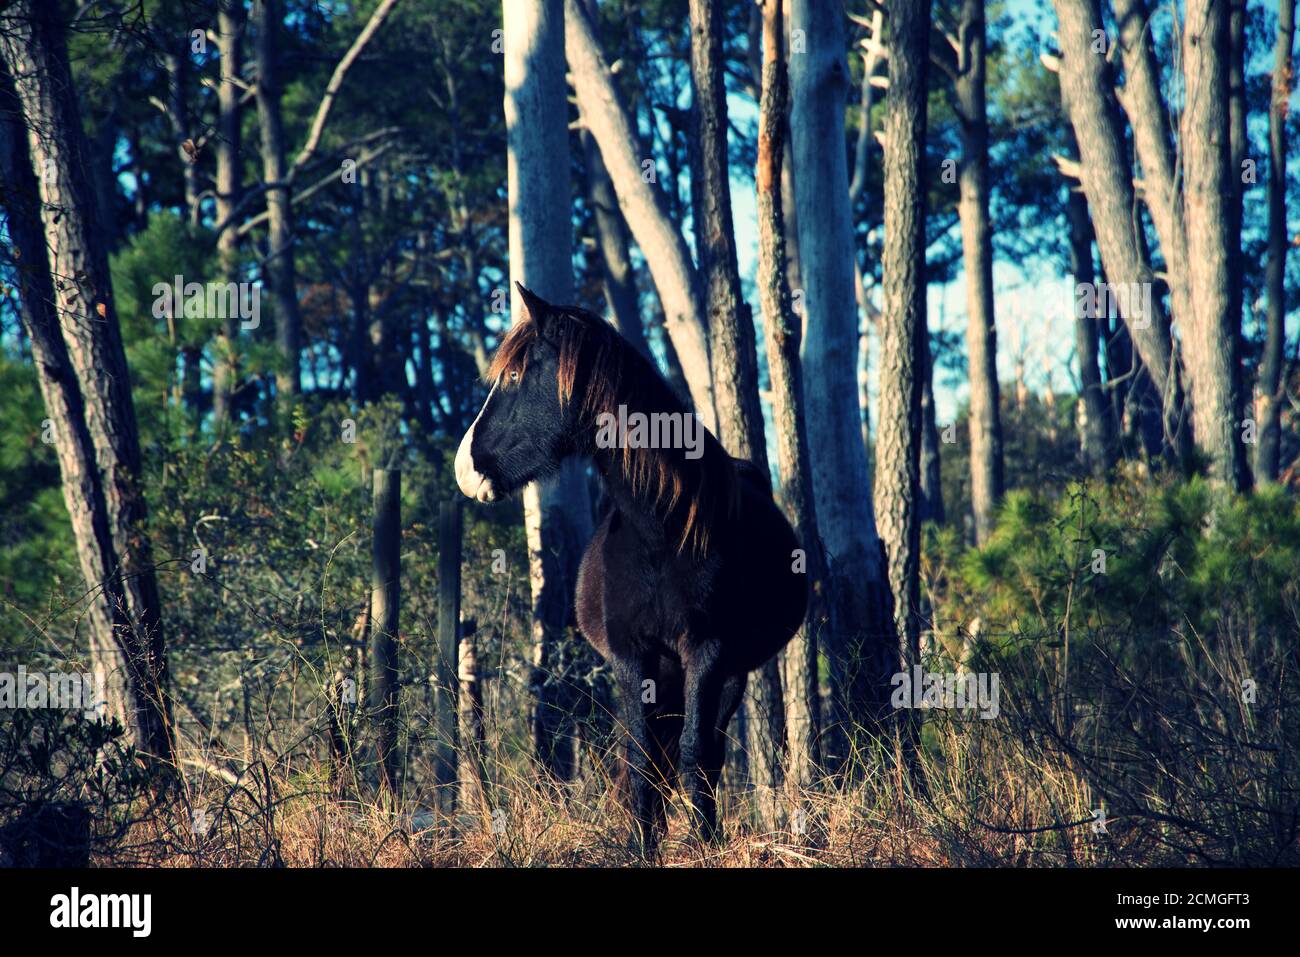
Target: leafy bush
x=1145 y=635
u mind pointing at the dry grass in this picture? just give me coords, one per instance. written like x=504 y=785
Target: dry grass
x=987 y=805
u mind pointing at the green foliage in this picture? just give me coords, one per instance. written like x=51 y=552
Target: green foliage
x=265 y=554
x=68 y=786
x=1144 y=554
x=1144 y=632
x=36 y=553
x=1039 y=445
x=166 y=248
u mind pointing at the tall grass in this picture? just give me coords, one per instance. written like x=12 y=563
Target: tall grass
x=1146 y=639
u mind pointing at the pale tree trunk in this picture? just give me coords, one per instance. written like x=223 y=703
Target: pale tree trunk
x=177 y=66
x=977 y=256
x=230 y=28
x=611 y=240
x=385 y=607
x=863 y=648
x=931 y=478
x=1104 y=171
x=606 y=117
x=1271 y=378
x=1204 y=139
x=1238 y=147
x=732 y=357
x=1201 y=221
x=783 y=334
x=557 y=513
x=902 y=317
x=84 y=377
x=1099 y=445
x=1149 y=117
x=793 y=276
x=279 y=271
x=871 y=60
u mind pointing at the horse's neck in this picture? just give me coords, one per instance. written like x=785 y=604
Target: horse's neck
x=643 y=508
x=645 y=516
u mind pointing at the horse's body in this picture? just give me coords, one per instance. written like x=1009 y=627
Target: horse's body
x=691 y=580
x=639 y=602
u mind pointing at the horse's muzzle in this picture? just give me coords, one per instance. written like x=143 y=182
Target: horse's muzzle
x=472 y=483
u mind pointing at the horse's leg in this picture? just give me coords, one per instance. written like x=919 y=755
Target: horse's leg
x=704 y=685
x=629 y=674
x=733 y=689
x=665 y=732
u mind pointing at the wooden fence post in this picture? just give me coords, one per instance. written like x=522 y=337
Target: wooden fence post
x=449 y=557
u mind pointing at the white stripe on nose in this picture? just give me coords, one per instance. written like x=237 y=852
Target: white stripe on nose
x=472 y=482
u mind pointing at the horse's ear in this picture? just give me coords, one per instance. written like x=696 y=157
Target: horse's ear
x=536 y=308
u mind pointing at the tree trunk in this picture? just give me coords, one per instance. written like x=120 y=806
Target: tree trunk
x=793 y=275
x=365 y=385
x=732 y=351
x=1210 y=341
x=426 y=391
x=631 y=171
x=783 y=334
x=385 y=605
x=902 y=318
x=178 y=114
x=1271 y=381
x=1086 y=88
x=732 y=358
x=863 y=648
x=81 y=364
x=557 y=513
x=1148 y=115
x=611 y=239
x=279 y=271
x=1237 y=150
x=225 y=361
x=1099 y=446
x=931 y=478
x=977 y=257
x=619 y=283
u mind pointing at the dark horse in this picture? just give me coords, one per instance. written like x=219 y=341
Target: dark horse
x=692 y=579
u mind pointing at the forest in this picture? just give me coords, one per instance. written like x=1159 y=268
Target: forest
x=973 y=543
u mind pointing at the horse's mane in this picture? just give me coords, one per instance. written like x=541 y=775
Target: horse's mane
x=694 y=492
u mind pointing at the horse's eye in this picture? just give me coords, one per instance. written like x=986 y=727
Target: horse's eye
x=514 y=375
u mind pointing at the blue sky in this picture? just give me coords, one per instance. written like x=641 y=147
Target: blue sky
x=1032 y=299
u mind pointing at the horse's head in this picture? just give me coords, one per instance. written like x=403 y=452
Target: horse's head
x=525 y=429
